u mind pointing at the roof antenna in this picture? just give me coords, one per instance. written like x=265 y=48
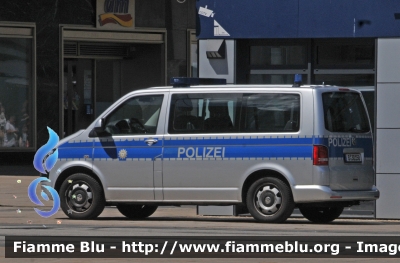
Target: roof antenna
x=297 y=80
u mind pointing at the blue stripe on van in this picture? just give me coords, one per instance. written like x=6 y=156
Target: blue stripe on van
x=234 y=147
x=337 y=144
x=204 y=141
x=132 y=153
x=239 y=151
x=76 y=144
x=127 y=143
x=74 y=153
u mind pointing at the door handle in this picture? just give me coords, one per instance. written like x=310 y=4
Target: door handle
x=151 y=141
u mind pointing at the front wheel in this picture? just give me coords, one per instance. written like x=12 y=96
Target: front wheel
x=81 y=197
x=321 y=214
x=136 y=211
x=270 y=200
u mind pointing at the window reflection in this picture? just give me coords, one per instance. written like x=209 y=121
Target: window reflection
x=15 y=92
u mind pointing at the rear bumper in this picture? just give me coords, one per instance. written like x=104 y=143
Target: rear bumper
x=319 y=193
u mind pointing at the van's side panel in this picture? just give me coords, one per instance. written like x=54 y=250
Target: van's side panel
x=213 y=167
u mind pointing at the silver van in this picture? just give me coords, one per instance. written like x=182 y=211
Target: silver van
x=268 y=148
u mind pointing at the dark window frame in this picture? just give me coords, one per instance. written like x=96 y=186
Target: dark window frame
x=245 y=108
x=362 y=114
x=110 y=114
x=180 y=96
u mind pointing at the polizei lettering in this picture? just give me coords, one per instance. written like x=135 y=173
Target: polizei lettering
x=340 y=142
x=201 y=152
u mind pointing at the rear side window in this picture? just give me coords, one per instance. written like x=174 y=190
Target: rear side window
x=344 y=112
x=271 y=112
x=204 y=113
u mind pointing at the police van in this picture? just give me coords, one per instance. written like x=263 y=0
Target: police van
x=267 y=148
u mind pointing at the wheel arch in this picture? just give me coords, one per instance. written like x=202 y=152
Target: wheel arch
x=262 y=174
x=73 y=170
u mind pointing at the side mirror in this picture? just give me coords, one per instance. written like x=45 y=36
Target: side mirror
x=98 y=129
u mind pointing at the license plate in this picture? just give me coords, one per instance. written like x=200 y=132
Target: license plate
x=353 y=158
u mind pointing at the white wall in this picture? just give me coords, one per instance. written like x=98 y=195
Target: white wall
x=217 y=68
x=388 y=128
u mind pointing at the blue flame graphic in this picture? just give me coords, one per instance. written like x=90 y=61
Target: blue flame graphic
x=34 y=198
x=46 y=157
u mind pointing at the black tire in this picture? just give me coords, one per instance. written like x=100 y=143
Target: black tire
x=81 y=197
x=270 y=200
x=321 y=214
x=137 y=211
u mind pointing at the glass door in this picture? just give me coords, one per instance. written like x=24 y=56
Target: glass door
x=108 y=83
x=78 y=94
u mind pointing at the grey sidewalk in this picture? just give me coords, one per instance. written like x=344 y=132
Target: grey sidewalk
x=14 y=191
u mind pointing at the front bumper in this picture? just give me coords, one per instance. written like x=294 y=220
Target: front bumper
x=319 y=193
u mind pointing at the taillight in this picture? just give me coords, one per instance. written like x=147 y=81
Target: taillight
x=320 y=155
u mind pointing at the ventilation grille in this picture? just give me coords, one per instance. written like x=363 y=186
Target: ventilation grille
x=70 y=49
x=95 y=49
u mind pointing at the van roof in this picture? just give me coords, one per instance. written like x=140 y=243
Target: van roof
x=246 y=86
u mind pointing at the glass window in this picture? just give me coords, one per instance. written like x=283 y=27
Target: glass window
x=193 y=60
x=262 y=56
x=344 y=112
x=204 y=113
x=345 y=79
x=273 y=78
x=271 y=112
x=339 y=54
x=16 y=93
x=192 y=47
x=138 y=115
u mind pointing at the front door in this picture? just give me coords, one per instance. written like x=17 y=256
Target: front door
x=128 y=154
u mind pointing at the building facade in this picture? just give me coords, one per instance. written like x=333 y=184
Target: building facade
x=64 y=62
x=354 y=43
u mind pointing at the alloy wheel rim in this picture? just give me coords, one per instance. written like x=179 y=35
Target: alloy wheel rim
x=79 y=196
x=268 y=199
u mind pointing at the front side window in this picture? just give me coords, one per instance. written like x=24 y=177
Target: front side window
x=271 y=112
x=136 y=116
x=344 y=112
x=204 y=113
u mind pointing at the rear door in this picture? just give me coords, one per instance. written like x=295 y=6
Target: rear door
x=349 y=140
x=201 y=139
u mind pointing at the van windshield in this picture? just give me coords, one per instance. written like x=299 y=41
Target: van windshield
x=344 y=112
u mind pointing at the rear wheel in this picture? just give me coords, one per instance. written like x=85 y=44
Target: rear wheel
x=137 y=211
x=321 y=214
x=81 y=197
x=270 y=200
